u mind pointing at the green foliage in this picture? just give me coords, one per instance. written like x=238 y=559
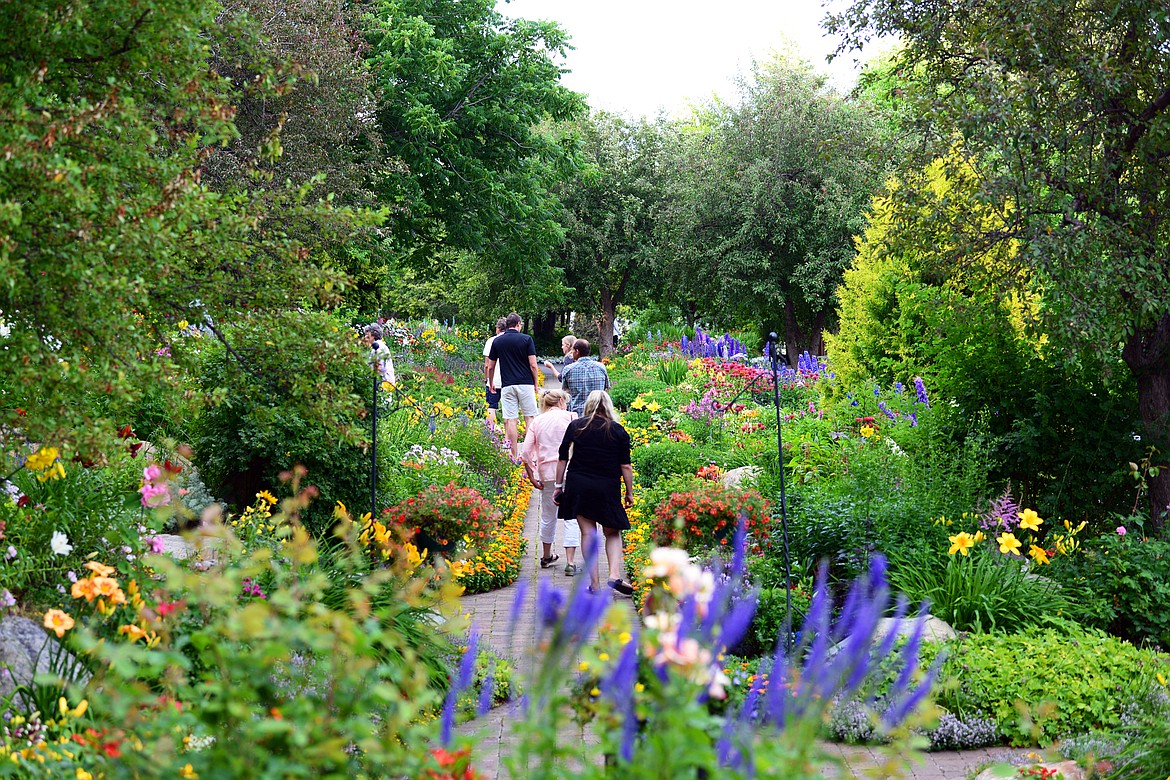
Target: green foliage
x=624 y=391
x=672 y=372
x=108 y=239
x=97 y=509
x=255 y=430
x=665 y=458
x=1146 y=755
x=1081 y=167
x=1122 y=583
x=463 y=92
x=903 y=314
x=612 y=212
x=982 y=591
x=773 y=208
x=1044 y=685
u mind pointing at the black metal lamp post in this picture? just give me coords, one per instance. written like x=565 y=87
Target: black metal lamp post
x=773 y=353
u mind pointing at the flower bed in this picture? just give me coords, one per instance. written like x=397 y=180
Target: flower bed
x=498 y=562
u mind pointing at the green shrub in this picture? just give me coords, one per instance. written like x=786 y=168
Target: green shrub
x=1044 y=685
x=256 y=431
x=1123 y=583
x=624 y=391
x=980 y=592
x=666 y=458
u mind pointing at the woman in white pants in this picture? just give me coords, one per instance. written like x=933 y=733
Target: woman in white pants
x=541 y=442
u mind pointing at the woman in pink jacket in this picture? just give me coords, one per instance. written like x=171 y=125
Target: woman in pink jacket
x=539 y=451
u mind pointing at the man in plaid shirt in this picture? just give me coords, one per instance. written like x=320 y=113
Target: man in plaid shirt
x=583 y=376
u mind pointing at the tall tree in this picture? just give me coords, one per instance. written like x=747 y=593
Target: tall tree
x=1066 y=105
x=799 y=167
x=463 y=92
x=610 y=213
x=109 y=239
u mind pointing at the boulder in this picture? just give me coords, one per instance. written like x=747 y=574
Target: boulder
x=735 y=478
x=934 y=630
x=26 y=650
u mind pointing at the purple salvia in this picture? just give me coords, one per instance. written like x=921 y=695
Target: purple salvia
x=920 y=389
x=518 y=602
x=619 y=687
x=737 y=622
x=460 y=684
x=487 y=695
x=549 y=602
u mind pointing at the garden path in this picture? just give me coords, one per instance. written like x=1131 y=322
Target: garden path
x=510 y=630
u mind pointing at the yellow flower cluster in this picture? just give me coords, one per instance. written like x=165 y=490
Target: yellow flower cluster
x=498 y=563
x=46 y=462
x=255 y=520
x=963 y=542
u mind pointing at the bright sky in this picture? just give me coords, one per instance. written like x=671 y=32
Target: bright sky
x=635 y=56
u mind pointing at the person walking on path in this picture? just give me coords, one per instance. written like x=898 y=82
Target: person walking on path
x=567 y=348
x=515 y=353
x=493 y=398
x=588 y=482
x=584 y=375
x=374 y=338
x=540 y=451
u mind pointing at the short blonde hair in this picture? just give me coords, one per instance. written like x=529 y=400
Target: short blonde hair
x=568 y=341
x=551 y=398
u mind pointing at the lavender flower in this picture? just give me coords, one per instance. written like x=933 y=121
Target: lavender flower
x=886 y=410
x=7 y=600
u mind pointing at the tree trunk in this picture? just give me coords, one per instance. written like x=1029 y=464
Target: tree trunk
x=798 y=340
x=1147 y=353
x=608 y=313
x=544 y=329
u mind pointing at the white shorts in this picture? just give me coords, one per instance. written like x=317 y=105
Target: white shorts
x=518 y=399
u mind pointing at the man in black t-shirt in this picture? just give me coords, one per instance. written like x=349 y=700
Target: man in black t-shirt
x=516 y=354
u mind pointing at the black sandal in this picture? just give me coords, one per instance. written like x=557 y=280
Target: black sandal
x=549 y=561
x=622 y=587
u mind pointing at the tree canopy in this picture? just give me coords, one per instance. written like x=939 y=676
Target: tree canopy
x=110 y=240
x=463 y=93
x=1064 y=106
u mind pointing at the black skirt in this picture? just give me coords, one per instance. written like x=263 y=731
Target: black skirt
x=594 y=498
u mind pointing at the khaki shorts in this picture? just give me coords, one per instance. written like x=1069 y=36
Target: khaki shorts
x=518 y=399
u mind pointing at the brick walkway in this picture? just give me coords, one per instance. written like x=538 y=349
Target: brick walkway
x=510 y=630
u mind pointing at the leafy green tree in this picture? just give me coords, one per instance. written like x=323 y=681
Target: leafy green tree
x=611 y=212
x=1065 y=106
x=1060 y=428
x=109 y=240
x=799 y=167
x=462 y=94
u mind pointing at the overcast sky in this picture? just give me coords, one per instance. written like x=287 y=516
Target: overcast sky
x=635 y=56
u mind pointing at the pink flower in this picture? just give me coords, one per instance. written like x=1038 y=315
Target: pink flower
x=155 y=496
x=154 y=544
x=151 y=472
x=1121 y=530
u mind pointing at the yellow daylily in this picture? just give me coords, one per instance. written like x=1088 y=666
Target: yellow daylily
x=1008 y=543
x=979 y=536
x=639 y=403
x=961 y=543
x=1030 y=520
x=867 y=431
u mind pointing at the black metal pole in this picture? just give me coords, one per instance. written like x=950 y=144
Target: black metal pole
x=374 y=446
x=773 y=349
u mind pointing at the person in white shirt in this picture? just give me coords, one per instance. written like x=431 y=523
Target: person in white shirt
x=493 y=398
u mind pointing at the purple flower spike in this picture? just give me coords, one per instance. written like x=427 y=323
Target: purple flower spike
x=920 y=389
x=487 y=695
x=549 y=603
x=460 y=684
x=518 y=602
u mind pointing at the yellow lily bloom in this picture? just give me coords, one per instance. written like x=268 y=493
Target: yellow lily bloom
x=961 y=543
x=1008 y=543
x=1030 y=520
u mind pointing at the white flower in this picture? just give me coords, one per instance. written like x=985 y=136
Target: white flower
x=60 y=544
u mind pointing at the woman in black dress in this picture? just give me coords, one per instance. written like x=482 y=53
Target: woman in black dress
x=591 y=490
